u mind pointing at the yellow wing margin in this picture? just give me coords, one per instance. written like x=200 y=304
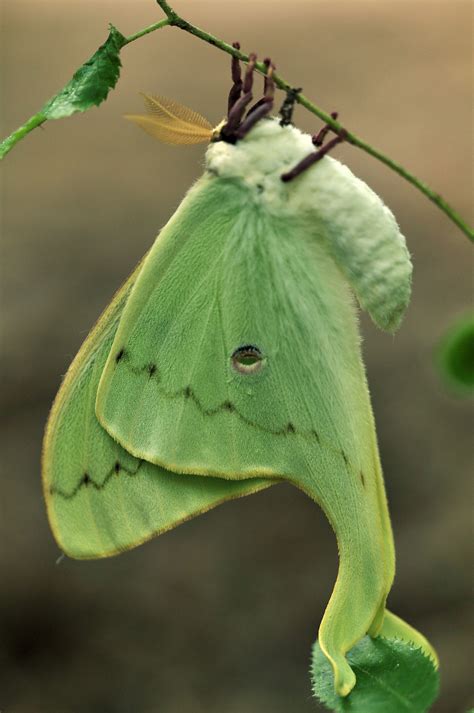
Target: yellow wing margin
x=111 y=312
x=171 y=122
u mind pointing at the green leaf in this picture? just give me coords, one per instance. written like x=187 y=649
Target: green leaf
x=91 y=83
x=392 y=677
x=456 y=355
x=89 y=86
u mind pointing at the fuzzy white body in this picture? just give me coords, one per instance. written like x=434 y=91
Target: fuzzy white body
x=361 y=232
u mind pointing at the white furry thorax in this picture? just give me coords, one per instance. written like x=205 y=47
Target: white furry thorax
x=259 y=159
x=329 y=202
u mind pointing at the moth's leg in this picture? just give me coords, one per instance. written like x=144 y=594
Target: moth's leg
x=318 y=139
x=268 y=83
x=248 y=79
x=262 y=107
x=236 y=115
x=236 y=73
x=312 y=158
x=268 y=86
x=286 y=111
x=238 y=109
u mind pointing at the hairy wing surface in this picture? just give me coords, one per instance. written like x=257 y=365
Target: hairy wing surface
x=101 y=499
x=222 y=276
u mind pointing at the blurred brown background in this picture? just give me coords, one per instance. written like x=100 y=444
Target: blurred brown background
x=219 y=615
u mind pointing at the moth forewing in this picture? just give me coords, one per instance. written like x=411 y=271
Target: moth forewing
x=101 y=500
x=226 y=275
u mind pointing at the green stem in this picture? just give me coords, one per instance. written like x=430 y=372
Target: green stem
x=7 y=144
x=147 y=30
x=177 y=21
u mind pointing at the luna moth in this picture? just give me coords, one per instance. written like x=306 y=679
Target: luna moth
x=230 y=361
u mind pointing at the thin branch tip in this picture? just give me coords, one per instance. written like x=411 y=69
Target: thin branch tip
x=174 y=19
x=168 y=10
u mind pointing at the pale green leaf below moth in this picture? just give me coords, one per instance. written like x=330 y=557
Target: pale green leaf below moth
x=231 y=361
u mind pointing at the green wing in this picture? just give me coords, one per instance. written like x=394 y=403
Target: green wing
x=225 y=275
x=215 y=281
x=100 y=499
x=220 y=278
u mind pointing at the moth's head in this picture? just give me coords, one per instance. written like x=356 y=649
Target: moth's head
x=173 y=123
x=217 y=131
x=260 y=158
x=264 y=151
x=249 y=144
